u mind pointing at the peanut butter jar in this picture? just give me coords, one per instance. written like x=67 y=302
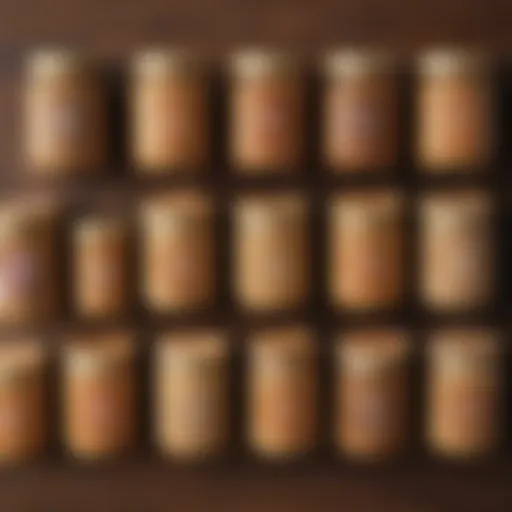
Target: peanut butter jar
x=267 y=112
x=272 y=253
x=23 y=400
x=192 y=393
x=367 y=250
x=29 y=287
x=101 y=274
x=282 y=392
x=178 y=253
x=372 y=393
x=465 y=392
x=360 y=110
x=457 y=253
x=99 y=395
x=65 y=119
x=455 y=119
x=169 y=103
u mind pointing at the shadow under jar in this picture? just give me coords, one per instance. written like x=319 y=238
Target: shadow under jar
x=267 y=113
x=178 y=253
x=99 y=395
x=465 y=393
x=170 y=118
x=360 y=111
x=282 y=387
x=367 y=250
x=456 y=122
x=65 y=116
x=272 y=253
x=457 y=251
x=192 y=394
x=372 y=393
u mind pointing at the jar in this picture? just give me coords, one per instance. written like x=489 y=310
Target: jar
x=192 y=393
x=457 y=267
x=267 y=112
x=29 y=287
x=23 y=400
x=372 y=393
x=282 y=392
x=65 y=114
x=456 y=122
x=367 y=250
x=169 y=112
x=465 y=392
x=99 y=402
x=100 y=263
x=178 y=260
x=360 y=111
x=271 y=268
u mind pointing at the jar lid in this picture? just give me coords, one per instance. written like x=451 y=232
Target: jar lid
x=445 y=205
x=165 y=61
x=21 y=356
x=193 y=343
x=358 y=61
x=57 y=61
x=271 y=207
x=371 y=204
x=286 y=340
x=449 y=61
x=256 y=62
x=100 y=224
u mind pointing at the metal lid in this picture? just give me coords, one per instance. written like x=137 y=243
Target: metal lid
x=194 y=343
x=358 y=62
x=51 y=62
x=166 y=61
x=256 y=62
x=449 y=61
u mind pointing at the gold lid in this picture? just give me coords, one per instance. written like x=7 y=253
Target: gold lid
x=21 y=356
x=471 y=341
x=198 y=342
x=382 y=204
x=358 y=62
x=100 y=224
x=449 y=61
x=271 y=207
x=447 y=205
x=287 y=340
x=256 y=62
x=157 y=62
x=51 y=62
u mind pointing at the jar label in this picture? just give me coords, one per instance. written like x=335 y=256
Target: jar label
x=12 y=420
x=19 y=275
x=66 y=122
x=360 y=121
x=372 y=413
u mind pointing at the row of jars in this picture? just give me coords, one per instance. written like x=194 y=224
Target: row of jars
x=170 y=115
x=191 y=374
x=272 y=249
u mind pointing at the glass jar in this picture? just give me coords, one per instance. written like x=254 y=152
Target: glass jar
x=23 y=400
x=372 y=393
x=101 y=273
x=465 y=392
x=360 y=111
x=457 y=253
x=178 y=253
x=367 y=250
x=65 y=114
x=282 y=392
x=271 y=268
x=169 y=101
x=456 y=122
x=99 y=395
x=267 y=112
x=192 y=393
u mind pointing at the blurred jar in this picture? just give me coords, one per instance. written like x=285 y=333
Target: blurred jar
x=178 y=260
x=169 y=101
x=65 y=114
x=457 y=253
x=271 y=268
x=99 y=402
x=282 y=392
x=101 y=272
x=192 y=393
x=456 y=125
x=465 y=392
x=367 y=250
x=360 y=111
x=29 y=284
x=267 y=112
x=23 y=400
x=372 y=393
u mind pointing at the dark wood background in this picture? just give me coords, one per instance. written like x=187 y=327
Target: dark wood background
x=114 y=29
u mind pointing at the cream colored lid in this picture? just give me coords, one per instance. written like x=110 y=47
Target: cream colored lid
x=369 y=204
x=157 y=62
x=201 y=343
x=256 y=62
x=100 y=224
x=448 y=61
x=474 y=342
x=358 y=61
x=273 y=206
x=286 y=340
x=19 y=356
x=446 y=205
x=50 y=62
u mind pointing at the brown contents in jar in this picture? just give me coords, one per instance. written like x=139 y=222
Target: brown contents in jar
x=178 y=260
x=367 y=250
x=65 y=114
x=271 y=252
x=282 y=392
x=372 y=393
x=266 y=113
x=23 y=400
x=192 y=393
x=169 y=109
x=455 y=111
x=360 y=111
x=99 y=395
x=464 y=414
x=457 y=250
